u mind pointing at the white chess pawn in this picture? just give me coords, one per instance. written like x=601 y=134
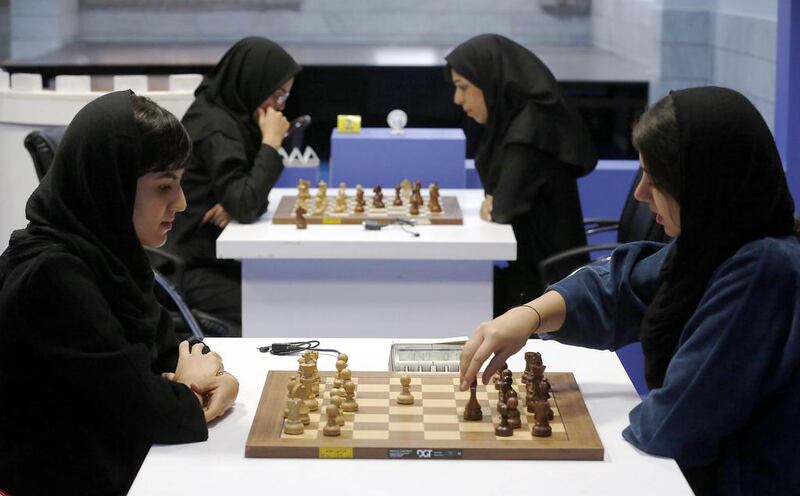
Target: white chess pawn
x=405 y=397
x=350 y=404
x=331 y=428
x=336 y=399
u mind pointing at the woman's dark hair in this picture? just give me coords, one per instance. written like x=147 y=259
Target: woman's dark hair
x=655 y=137
x=166 y=145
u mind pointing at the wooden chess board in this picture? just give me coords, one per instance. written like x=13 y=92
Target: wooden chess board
x=450 y=214
x=430 y=428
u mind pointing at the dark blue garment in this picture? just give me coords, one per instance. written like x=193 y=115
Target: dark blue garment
x=731 y=396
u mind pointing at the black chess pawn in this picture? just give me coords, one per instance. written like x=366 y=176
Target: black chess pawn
x=530 y=395
x=377 y=199
x=503 y=429
x=473 y=409
x=542 y=427
x=546 y=388
x=398 y=202
x=414 y=209
x=514 y=420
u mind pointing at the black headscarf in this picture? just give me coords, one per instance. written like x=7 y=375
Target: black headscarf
x=733 y=191
x=84 y=205
x=248 y=73
x=525 y=106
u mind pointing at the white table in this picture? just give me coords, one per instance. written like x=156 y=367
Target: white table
x=218 y=466
x=343 y=280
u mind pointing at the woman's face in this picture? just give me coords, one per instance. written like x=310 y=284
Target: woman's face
x=277 y=100
x=666 y=208
x=470 y=98
x=159 y=197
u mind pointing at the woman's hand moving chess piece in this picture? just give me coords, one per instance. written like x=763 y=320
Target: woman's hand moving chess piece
x=507 y=334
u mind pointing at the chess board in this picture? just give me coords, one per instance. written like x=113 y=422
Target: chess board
x=450 y=214
x=430 y=428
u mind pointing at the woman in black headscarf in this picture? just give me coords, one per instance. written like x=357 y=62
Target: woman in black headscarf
x=90 y=369
x=717 y=311
x=532 y=150
x=236 y=127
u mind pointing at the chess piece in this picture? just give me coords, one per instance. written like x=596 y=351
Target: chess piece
x=302 y=190
x=405 y=397
x=299 y=216
x=398 y=202
x=343 y=357
x=414 y=209
x=308 y=383
x=322 y=189
x=340 y=365
x=331 y=428
x=406 y=187
x=503 y=429
x=342 y=188
x=529 y=396
x=320 y=204
x=473 y=409
x=542 y=427
x=336 y=399
x=293 y=425
x=495 y=379
x=291 y=385
x=514 y=420
x=506 y=381
x=338 y=386
x=417 y=191
x=497 y=383
x=377 y=198
x=433 y=199
x=341 y=204
x=299 y=393
x=349 y=404
x=359 y=200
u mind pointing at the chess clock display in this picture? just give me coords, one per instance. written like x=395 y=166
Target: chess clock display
x=424 y=357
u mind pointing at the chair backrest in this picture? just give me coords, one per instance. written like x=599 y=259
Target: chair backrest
x=295 y=136
x=42 y=145
x=638 y=222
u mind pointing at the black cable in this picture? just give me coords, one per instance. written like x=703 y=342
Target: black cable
x=294 y=348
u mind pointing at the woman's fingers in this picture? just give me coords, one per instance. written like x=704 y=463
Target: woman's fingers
x=183 y=349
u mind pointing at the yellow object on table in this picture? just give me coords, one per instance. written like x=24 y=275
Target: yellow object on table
x=348 y=123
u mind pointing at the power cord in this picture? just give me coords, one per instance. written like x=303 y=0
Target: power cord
x=374 y=225
x=293 y=348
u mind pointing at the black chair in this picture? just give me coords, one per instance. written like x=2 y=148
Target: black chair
x=637 y=223
x=42 y=145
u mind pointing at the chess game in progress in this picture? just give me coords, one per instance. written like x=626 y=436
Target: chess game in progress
x=395 y=415
x=407 y=204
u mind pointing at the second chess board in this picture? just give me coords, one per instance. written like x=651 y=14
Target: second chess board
x=450 y=214
x=432 y=427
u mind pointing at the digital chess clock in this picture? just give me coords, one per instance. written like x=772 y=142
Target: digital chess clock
x=428 y=357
